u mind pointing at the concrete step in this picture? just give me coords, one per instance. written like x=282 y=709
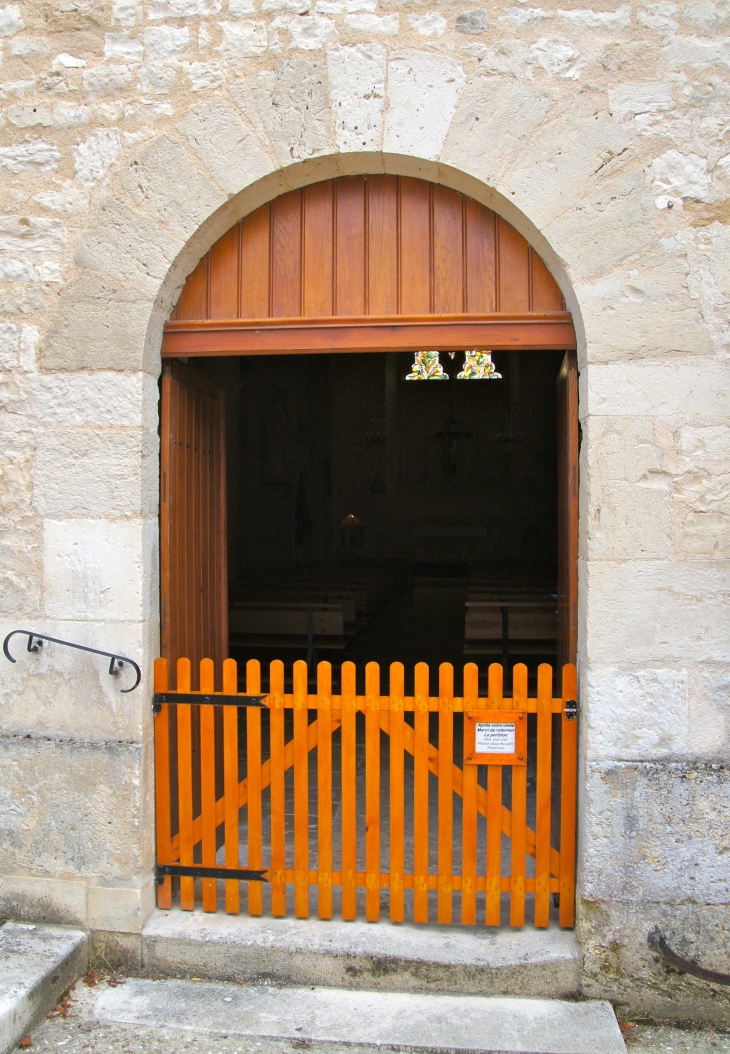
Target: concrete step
x=369 y=1021
x=375 y=956
x=37 y=964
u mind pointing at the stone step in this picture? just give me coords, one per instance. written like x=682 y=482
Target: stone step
x=376 y=956
x=37 y=964
x=369 y=1021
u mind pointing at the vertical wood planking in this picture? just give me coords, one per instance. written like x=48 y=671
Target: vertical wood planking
x=162 y=784
x=301 y=792
x=481 y=272
x=568 y=802
x=278 y=829
x=519 y=811
x=494 y=812
x=350 y=246
x=448 y=251
x=193 y=302
x=253 y=775
x=513 y=269
x=317 y=250
x=414 y=234
x=420 y=795
x=445 y=793
x=545 y=293
x=255 y=264
x=382 y=245
x=544 y=779
x=185 y=784
x=207 y=783
x=397 y=793
x=469 y=811
x=224 y=280
x=349 y=774
x=372 y=792
x=286 y=255
x=324 y=789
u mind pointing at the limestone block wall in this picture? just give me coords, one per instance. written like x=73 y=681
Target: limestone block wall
x=134 y=133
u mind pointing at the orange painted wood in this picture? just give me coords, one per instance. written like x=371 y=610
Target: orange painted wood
x=420 y=795
x=207 y=783
x=446 y=793
x=396 y=818
x=185 y=784
x=568 y=801
x=282 y=337
x=415 y=229
x=513 y=269
x=349 y=775
x=286 y=252
x=254 y=780
x=372 y=792
x=519 y=812
x=382 y=245
x=568 y=455
x=162 y=784
x=324 y=789
x=255 y=265
x=448 y=252
x=193 y=582
x=481 y=258
x=543 y=795
x=278 y=829
x=469 y=811
x=224 y=281
x=318 y=250
x=301 y=792
x=350 y=262
x=494 y=811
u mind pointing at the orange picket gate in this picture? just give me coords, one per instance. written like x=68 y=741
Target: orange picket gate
x=408 y=802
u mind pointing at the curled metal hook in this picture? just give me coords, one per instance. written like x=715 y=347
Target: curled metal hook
x=658 y=943
x=35 y=643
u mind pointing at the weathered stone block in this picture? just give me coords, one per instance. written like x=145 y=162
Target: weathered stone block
x=229 y=150
x=61 y=400
x=99 y=569
x=357 y=86
x=423 y=93
x=680 y=389
x=293 y=104
x=635 y=714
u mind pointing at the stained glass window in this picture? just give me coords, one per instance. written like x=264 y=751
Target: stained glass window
x=478 y=366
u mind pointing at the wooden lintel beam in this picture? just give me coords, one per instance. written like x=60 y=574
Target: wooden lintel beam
x=397 y=333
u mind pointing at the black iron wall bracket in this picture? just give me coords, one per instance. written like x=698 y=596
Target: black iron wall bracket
x=199 y=699
x=658 y=943
x=196 y=871
x=35 y=643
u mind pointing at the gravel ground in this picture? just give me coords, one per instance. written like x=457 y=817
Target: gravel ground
x=73 y=1029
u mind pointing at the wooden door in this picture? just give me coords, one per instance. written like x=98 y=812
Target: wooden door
x=193 y=587
x=568 y=444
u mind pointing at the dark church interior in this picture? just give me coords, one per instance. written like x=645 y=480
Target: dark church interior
x=372 y=518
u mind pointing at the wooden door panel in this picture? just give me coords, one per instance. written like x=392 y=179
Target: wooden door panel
x=193 y=584
x=568 y=451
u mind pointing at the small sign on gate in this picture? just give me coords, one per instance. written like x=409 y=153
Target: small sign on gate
x=496 y=737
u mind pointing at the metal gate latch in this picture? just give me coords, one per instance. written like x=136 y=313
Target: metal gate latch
x=570 y=709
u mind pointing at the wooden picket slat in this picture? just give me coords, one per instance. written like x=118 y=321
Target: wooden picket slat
x=446 y=793
x=469 y=811
x=207 y=782
x=206 y=742
x=185 y=784
x=372 y=792
x=278 y=813
x=397 y=794
x=568 y=801
x=494 y=812
x=420 y=795
x=162 y=785
x=519 y=812
x=255 y=804
x=348 y=804
x=544 y=794
x=301 y=792
x=324 y=789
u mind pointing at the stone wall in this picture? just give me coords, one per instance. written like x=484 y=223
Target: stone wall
x=134 y=133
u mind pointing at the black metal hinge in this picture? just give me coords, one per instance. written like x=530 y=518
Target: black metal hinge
x=193 y=871
x=206 y=700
